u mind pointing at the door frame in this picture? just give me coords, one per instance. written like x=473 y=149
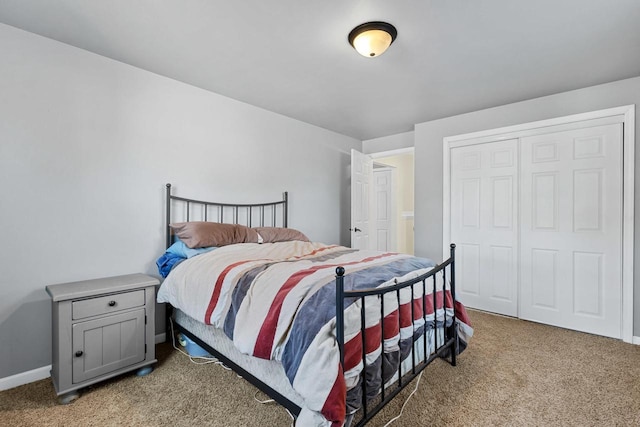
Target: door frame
x=389 y=153
x=627 y=118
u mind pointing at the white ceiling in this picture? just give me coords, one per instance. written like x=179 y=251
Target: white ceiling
x=292 y=56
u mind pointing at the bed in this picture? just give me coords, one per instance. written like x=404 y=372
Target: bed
x=329 y=332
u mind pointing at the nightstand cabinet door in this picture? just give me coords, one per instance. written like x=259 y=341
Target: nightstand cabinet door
x=107 y=344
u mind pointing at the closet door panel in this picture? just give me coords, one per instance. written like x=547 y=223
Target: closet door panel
x=543 y=274
x=484 y=224
x=571 y=229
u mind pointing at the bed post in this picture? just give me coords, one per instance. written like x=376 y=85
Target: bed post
x=168 y=220
x=454 y=350
x=285 y=219
x=168 y=307
x=340 y=312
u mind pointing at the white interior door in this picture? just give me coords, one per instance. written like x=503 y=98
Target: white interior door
x=571 y=229
x=361 y=177
x=384 y=209
x=484 y=224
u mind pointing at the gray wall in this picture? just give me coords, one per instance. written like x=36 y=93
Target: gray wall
x=388 y=143
x=86 y=146
x=429 y=145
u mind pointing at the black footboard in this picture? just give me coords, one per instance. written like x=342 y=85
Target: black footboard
x=372 y=401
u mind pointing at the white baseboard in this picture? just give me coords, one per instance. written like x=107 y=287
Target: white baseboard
x=25 y=378
x=45 y=372
x=635 y=340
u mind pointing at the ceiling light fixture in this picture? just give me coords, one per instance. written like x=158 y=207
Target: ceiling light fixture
x=372 y=38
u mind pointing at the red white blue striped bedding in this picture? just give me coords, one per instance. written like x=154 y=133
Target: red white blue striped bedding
x=277 y=301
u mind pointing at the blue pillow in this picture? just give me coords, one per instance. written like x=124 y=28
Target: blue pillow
x=177 y=253
x=181 y=250
x=167 y=262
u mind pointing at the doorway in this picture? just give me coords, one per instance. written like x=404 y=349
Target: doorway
x=388 y=188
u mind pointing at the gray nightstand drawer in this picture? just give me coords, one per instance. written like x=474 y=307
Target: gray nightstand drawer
x=107 y=304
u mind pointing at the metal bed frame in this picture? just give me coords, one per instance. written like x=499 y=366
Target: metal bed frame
x=258 y=213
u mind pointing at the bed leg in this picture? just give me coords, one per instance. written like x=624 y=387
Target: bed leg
x=454 y=349
x=167 y=318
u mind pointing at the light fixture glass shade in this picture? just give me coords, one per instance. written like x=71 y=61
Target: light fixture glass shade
x=372 y=38
x=372 y=42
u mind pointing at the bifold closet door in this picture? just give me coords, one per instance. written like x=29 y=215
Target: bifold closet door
x=571 y=229
x=484 y=226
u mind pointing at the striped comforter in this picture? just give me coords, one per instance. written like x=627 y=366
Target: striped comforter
x=277 y=301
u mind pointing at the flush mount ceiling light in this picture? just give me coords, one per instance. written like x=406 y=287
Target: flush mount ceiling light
x=372 y=38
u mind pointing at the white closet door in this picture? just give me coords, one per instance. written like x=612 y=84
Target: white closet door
x=571 y=229
x=484 y=194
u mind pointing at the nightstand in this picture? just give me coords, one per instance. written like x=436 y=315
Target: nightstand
x=101 y=328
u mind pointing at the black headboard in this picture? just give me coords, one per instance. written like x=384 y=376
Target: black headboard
x=273 y=214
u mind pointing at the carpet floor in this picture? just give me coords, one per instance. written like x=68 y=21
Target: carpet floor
x=514 y=373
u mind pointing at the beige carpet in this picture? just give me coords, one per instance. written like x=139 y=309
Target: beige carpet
x=514 y=373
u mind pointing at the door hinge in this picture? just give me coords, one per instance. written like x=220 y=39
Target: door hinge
x=145 y=349
x=145 y=320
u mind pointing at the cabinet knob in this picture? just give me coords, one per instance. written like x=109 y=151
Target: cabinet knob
x=79 y=353
x=112 y=303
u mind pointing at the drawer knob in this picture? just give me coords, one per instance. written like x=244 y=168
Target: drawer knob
x=79 y=353
x=112 y=303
